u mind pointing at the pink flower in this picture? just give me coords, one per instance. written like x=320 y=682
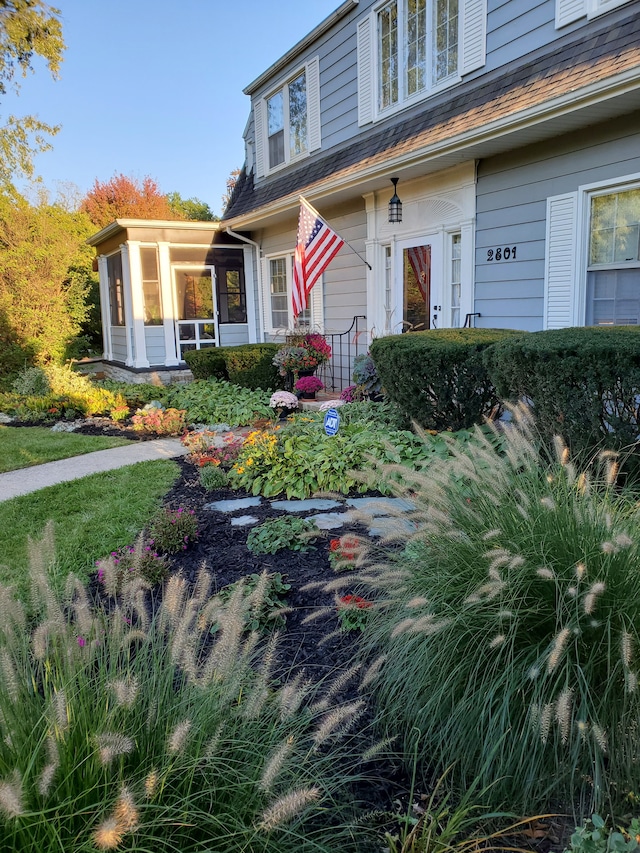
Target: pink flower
x=82 y=642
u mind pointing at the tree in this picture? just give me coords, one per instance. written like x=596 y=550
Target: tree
x=232 y=180
x=125 y=198
x=28 y=28
x=45 y=274
x=190 y=208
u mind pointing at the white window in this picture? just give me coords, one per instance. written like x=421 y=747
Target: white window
x=456 y=279
x=568 y=11
x=287 y=120
x=613 y=264
x=592 y=274
x=410 y=48
x=278 y=303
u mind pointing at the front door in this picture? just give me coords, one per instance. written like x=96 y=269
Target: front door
x=196 y=324
x=420 y=274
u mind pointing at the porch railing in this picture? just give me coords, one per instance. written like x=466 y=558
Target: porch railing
x=345 y=346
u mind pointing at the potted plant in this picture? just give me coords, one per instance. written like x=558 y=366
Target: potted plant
x=283 y=402
x=306 y=386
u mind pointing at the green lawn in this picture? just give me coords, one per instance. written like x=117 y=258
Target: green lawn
x=92 y=517
x=26 y=446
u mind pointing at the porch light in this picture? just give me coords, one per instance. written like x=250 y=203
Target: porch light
x=395 y=205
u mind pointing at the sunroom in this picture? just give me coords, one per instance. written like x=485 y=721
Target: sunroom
x=167 y=287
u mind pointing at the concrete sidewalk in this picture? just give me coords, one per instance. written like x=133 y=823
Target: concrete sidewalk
x=26 y=480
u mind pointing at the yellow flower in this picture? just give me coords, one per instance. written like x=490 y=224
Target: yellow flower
x=250 y=461
x=240 y=470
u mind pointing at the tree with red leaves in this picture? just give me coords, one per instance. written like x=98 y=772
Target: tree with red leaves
x=126 y=198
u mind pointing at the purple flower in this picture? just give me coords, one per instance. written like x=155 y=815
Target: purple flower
x=82 y=642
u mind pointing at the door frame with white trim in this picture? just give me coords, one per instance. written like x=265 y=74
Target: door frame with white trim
x=195 y=332
x=403 y=272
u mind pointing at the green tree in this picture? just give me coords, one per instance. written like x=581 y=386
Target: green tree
x=45 y=276
x=190 y=208
x=28 y=28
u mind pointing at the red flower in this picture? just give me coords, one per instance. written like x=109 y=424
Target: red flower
x=355 y=601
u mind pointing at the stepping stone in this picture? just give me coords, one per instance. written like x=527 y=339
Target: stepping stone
x=385 y=525
x=380 y=506
x=244 y=520
x=233 y=505
x=329 y=520
x=306 y=505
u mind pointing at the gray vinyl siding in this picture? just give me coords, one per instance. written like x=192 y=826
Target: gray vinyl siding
x=515 y=28
x=154 y=341
x=512 y=192
x=233 y=334
x=119 y=343
x=345 y=280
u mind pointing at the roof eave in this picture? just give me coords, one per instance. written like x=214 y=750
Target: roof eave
x=123 y=224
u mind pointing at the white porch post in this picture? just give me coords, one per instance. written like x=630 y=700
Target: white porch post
x=134 y=268
x=105 y=308
x=128 y=307
x=467 y=267
x=171 y=356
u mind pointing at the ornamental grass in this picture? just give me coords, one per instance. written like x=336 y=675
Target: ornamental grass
x=121 y=729
x=510 y=624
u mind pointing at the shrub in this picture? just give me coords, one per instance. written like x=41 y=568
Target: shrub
x=125 y=730
x=159 y=421
x=438 y=377
x=136 y=394
x=251 y=366
x=213 y=401
x=173 y=530
x=32 y=382
x=207 y=363
x=511 y=625
x=213 y=477
x=584 y=383
x=275 y=534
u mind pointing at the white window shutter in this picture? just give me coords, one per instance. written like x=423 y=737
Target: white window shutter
x=265 y=298
x=473 y=44
x=366 y=71
x=561 y=262
x=313 y=104
x=568 y=11
x=258 y=126
x=316 y=303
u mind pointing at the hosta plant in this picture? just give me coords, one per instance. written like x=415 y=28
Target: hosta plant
x=275 y=534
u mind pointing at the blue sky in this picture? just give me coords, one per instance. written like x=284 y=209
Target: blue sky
x=152 y=87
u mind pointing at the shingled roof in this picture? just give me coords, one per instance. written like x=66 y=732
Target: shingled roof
x=580 y=63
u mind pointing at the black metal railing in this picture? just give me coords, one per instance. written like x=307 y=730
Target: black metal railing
x=345 y=346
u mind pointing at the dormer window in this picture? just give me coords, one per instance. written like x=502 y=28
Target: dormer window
x=287 y=120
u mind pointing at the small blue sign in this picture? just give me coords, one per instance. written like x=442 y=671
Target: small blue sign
x=331 y=422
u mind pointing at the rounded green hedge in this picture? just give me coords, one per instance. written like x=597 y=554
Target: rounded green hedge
x=583 y=383
x=438 y=377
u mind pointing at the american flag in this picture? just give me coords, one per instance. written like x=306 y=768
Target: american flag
x=317 y=246
x=420 y=260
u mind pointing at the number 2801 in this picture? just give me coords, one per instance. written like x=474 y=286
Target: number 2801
x=502 y=254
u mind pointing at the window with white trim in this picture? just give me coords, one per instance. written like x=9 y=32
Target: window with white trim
x=408 y=49
x=568 y=11
x=592 y=263
x=280 y=277
x=287 y=120
x=613 y=264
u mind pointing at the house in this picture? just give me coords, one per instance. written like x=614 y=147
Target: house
x=511 y=132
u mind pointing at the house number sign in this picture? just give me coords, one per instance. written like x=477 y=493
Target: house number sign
x=503 y=253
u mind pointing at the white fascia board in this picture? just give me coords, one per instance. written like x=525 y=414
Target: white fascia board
x=563 y=105
x=178 y=224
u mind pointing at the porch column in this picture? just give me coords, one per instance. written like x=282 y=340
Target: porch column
x=105 y=308
x=250 y=292
x=467 y=268
x=128 y=307
x=134 y=268
x=171 y=356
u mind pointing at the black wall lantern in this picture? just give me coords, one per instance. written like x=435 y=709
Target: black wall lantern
x=395 y=205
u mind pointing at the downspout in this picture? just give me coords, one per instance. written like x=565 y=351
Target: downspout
x=244 y=239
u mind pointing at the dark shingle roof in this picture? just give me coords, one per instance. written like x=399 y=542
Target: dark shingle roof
x=579 y=61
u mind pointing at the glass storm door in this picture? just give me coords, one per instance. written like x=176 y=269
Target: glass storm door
x=196 y=326
x=418 y=284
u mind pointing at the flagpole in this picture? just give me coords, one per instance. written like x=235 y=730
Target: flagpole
x=364 y=261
